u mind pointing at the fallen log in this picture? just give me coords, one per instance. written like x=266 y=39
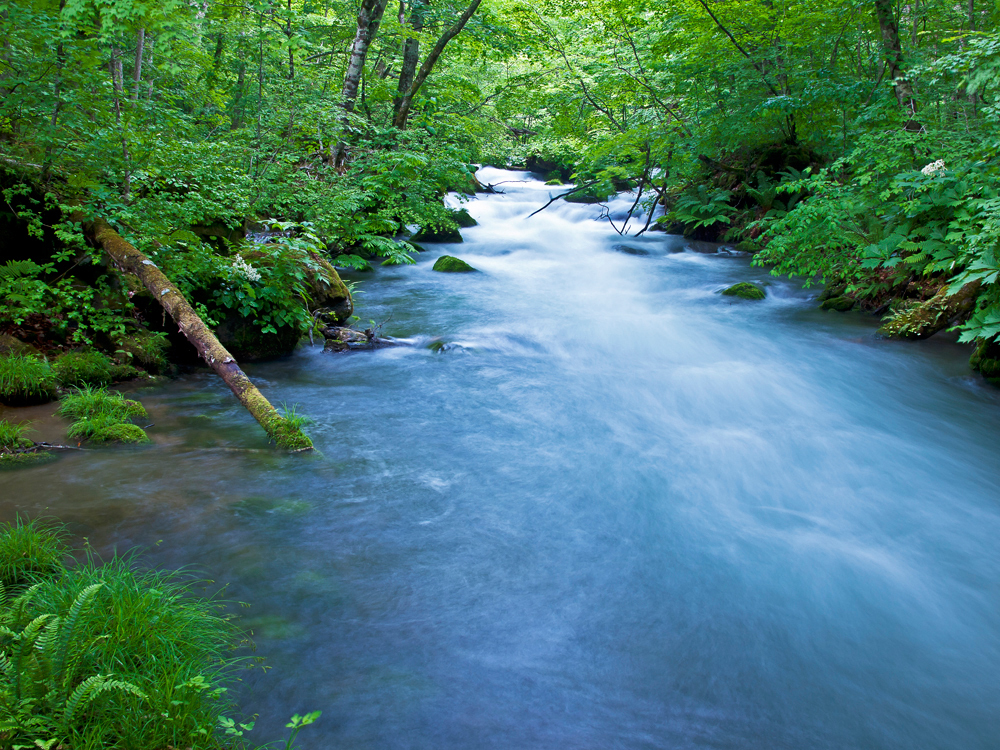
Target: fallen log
x=131 y=260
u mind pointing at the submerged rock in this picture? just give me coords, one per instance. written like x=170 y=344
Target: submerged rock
x=340 y=339
x=745 y=290
x=629 y=250
x=451 y=264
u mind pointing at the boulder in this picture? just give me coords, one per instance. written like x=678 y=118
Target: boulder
x=840 y=304
x=342 y=339
x=745 y=290
x=451 y=264
x=432 y=234
x=464 y=219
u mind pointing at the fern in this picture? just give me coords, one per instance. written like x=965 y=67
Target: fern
x=15 y=269
x=88 y=690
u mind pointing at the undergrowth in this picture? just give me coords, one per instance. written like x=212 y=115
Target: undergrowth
x=25 y=380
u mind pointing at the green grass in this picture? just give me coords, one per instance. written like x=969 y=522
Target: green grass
x=116 y=656
x=102 y=417
x=12 y=436
x=25 y=380
x=30 y=550
x=84 y=368
x=144 y=349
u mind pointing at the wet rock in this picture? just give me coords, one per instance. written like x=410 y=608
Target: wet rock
x=629 y=250
x=745 y=290
x=340 y=339
x=431 y=234
x=464 y=219
x=840 y=304
x=451 y=264
x=986 y=359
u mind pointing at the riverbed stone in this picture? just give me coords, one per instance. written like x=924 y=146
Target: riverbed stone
x=432 y=234
x=464 y=219
x=451 y=264
x=986 y=360
x=630 y=250
x=840 y=304
x=745 y=290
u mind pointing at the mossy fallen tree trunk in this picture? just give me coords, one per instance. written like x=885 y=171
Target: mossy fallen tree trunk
x=927 y=318
x=130 y=260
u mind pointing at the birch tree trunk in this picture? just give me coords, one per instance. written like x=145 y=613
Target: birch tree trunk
x=411 y=55
x=369 y=18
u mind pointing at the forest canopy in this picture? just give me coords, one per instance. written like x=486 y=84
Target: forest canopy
x=850 y=142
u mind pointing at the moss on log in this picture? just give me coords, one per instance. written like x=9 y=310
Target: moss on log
x=130 y=260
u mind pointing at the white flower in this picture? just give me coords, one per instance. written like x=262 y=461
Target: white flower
x=244 y=269
x=934 y=166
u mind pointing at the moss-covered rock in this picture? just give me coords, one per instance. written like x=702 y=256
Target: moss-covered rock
x=438 y=234
x=25 y=380
x=25 y=459
x=840 y=304
x=918 y=320
x=104 y=429
x=585 y=196
x=464 y=219
x=986 y=360
x=451 y=264
x=745 y=290
x=11 y=345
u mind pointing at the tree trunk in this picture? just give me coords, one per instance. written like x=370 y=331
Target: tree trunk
x=893 y=51
x=399 y=120
x=140 y=47
x=411 y=56
x=369 y=18
x=130 y=260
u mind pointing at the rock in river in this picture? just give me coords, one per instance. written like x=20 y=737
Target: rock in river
x=451 y=264
x=745 y=290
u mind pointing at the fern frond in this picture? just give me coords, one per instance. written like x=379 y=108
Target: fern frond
x=13 y=269
x=89 y=689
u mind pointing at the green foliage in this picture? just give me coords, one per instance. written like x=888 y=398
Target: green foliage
x=702 y=208
x=25 y=380
x=112 y=655
x=29 y=551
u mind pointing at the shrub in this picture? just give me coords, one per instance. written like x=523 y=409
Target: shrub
x=84 y=368
x=25 y=380
x=30 y=550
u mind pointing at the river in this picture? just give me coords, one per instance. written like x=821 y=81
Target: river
x=617 y=510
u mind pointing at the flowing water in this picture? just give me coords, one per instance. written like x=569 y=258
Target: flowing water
x=616 y=510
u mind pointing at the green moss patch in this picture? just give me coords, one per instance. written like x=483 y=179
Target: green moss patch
x=840 y=304
x=464 y=219
x=25 y=380
x=745 y=290
x=451 y=264
x=438 y=234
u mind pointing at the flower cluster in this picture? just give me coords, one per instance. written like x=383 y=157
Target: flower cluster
x=934 y=166
x=244 y=269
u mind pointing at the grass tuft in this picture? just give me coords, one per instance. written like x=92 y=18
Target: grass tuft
x=25 y=380
x=12 y=436
x=84 y=368
x=30 y=550
x=102 y=417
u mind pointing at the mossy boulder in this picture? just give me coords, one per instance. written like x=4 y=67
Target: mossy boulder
x=986 y=360
x=25 y=459
x=585 y=196
x=464 y=219
x=451 y=264
x=438 y=234
x=26 y=380
x=11 y=345
x=840 y=304
x=745 y=290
